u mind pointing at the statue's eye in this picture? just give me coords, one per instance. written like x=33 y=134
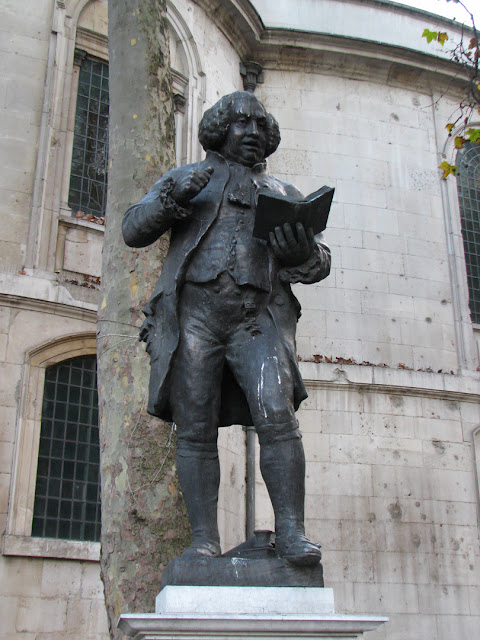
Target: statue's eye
x=242 y=121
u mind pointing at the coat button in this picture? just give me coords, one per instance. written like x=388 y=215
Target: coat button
x=279 y=300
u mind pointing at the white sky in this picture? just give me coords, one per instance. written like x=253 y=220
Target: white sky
x=450 y=10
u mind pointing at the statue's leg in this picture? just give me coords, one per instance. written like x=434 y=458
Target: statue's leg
x=263 y=370
x=195 y=401
x=199 y=479
x=282 y=464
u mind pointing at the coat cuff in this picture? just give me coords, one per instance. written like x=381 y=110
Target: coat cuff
x=316 y=268
x=166 y=203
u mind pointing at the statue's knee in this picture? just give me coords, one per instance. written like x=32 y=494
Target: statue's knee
x=188 y=447
x=278 y=432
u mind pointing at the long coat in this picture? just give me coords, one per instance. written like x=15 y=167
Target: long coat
x=146 y=221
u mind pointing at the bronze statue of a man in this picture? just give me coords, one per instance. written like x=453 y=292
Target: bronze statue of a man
x=220 y=325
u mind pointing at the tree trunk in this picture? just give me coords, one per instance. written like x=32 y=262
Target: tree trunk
x=144 y=521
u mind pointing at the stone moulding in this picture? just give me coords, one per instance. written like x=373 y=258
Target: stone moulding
x=388 y=380
x=288 y=627
x=252 y=39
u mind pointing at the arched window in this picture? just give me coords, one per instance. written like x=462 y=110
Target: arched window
x=89 y=169
x=54 y=507
x=87 y=195
x=68 y=204
x=468 y=184
x=67 y=494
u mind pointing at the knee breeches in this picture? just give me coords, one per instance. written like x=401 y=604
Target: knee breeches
x=222 y=323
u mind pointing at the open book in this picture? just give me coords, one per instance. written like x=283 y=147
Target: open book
x=274 y=210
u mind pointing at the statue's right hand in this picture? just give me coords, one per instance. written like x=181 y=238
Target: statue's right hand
x=190 y=184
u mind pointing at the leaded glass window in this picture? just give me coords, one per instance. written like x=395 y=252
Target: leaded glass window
x=67 y=495
x=468 y=182
x=88 y=178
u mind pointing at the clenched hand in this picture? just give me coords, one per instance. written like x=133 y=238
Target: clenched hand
x=190 y=185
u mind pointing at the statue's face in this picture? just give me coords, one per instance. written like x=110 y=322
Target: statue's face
x=247 y=135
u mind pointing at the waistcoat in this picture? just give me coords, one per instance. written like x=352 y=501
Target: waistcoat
x=229 y=245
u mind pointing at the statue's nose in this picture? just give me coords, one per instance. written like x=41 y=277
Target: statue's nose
x=253 y=127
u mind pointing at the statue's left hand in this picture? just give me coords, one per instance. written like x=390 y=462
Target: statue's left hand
x=290 y=250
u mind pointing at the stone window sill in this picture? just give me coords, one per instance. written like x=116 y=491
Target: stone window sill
x=51 y=548
x=71 y=221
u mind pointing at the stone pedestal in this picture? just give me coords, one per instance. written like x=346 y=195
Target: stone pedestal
x=224 y=613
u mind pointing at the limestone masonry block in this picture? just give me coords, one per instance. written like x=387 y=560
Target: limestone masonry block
x=339 y=479
x=438 y=599
x=92 y=586
x=380 y=597
x=440 y=455
x=61 y=578
x=462 y=626
x=436 y=429
x=438 y=484
x=375 y=450
x=338 y=507
x=8 y=609
x=41 y=615
x=401 y=567
x=351 y=566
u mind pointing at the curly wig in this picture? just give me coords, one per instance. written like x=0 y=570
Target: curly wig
x=214 y=125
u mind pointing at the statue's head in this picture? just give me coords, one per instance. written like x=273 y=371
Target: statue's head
x=239 y=127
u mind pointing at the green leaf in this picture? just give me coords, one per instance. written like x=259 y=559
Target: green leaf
x=429 y=35
x=449 y=127
x=459 y=141
x=447 y=169
x=473 y=135
x=442 y=37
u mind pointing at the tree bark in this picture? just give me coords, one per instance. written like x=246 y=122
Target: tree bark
x=144 y=521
